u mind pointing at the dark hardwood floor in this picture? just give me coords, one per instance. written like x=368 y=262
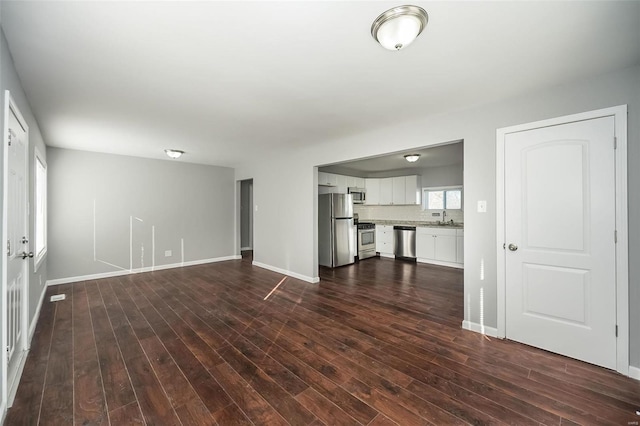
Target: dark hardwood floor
x=376 y=343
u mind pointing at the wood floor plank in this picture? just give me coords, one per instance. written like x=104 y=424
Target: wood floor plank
x=153 y=402
x=433 y=404
x=57 y=404
x=127 y=415
x=375 y=343
x=351 y=405
x=89 y=400
x=115 y=379
x=390 y=407
x=231 y=415
x=324 y=409
x=430 y=374
x=205 y=386
x=57 y=398
x=256 y=408
x=175 y=384
x=283 y=402
x=195 y=412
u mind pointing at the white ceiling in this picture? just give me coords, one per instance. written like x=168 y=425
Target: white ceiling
x=220 y=79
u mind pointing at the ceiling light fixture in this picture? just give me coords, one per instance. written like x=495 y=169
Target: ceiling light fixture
x=174 y=153
x=412 y=158
x=398 y=27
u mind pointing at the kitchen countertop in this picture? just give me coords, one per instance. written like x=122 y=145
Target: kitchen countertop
x=456 y=225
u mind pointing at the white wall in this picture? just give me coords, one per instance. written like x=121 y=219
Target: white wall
x=442 y=176
x=284 y=184
x=9 y=81
x=113 y=214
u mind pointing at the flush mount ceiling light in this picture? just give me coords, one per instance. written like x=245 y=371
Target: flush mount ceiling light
x=412 y=158
x=396 y=28
x=173 y=153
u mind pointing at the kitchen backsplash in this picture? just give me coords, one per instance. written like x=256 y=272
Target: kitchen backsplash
x=409 y=213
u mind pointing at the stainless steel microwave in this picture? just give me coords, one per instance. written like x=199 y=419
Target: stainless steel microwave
x=359 y=195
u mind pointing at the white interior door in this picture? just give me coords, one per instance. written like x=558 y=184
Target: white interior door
x=16 y=247
x=560 y=220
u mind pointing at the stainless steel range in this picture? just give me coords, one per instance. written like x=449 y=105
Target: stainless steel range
x=366 y=240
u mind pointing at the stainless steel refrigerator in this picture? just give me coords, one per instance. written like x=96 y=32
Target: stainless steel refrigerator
x=336 y=230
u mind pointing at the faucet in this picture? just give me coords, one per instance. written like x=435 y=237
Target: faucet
x=444 y=214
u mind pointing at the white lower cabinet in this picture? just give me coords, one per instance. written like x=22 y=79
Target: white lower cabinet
x=438 y=246
x=384 y=240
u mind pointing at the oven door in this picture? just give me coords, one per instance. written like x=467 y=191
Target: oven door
x=366 y=239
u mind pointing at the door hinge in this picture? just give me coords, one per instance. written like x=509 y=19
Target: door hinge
x=615 y=236
x=8 y=247
x=616 y=330
x=615 y=142
x=504 y=246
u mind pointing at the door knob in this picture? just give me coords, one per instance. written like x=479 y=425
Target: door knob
x=513 y=247
x=25 y=254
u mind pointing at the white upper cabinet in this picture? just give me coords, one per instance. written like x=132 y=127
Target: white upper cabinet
x=355 y=182
x=413 y=189
x=386 y=191
x=338 y=183
x=341 y=184
x=327 y=179
x=399 y=191
x=373 y=191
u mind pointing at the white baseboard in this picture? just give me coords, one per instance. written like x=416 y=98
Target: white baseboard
x=246 y=248
x=3 y=412
x=634 y=372
x=69 y=280
x=479 y=328
x=36 y=316
x=312 y=280
x=441 y=263
x=12 y=388
x=388 y=255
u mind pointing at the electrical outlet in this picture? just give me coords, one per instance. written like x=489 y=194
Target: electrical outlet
x=167 y=253
x=482 y=206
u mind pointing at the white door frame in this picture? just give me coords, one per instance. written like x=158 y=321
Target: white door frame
x=10 y=105
x=622 y=247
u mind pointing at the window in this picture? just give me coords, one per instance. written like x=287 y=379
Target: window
x=447 y=198
x=40 y=210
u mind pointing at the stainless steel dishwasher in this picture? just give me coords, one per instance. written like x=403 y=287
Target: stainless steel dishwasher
x=405 y=242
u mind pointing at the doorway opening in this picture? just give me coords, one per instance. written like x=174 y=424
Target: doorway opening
x=246 y=218
x=388 y=190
